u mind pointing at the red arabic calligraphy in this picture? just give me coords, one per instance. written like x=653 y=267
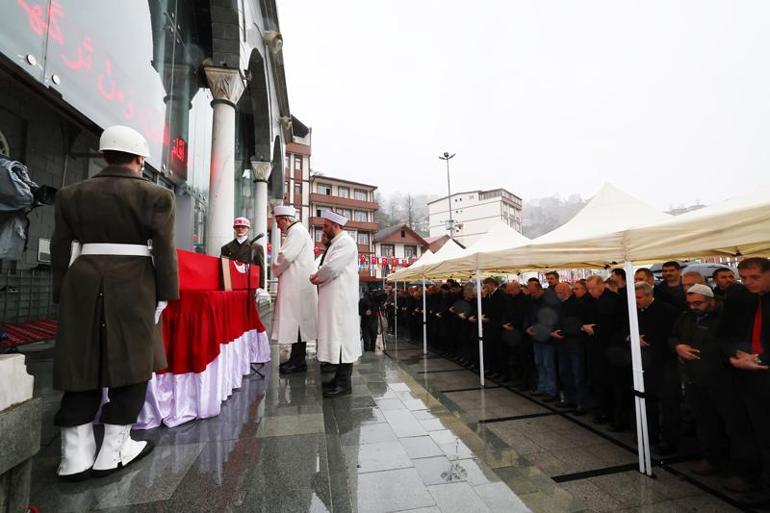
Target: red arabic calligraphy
x=41 y=24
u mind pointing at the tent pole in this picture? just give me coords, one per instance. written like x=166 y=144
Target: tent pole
x=395 y=317
x=643 y=440
x=424 y=320
x=481 y=326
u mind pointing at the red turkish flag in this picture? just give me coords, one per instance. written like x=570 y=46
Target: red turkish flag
x=374 y=260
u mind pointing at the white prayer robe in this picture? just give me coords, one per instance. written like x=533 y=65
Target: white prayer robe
x=296 y=305
x=339 y=332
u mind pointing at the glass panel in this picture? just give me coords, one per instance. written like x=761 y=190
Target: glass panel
x=24 y=27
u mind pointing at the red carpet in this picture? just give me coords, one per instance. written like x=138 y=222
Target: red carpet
x=28 y=332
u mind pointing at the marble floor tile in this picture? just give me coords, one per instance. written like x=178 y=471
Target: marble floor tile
x=287 y=426
x=403 y=423
x=375 y=492
x=382 y=456
x=500 y=499
x=420 y=447
x=369 y=433
x=440 y=470
x=592 y=496
x=458 y=498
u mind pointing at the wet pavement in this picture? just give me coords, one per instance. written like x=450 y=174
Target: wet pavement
x=417 y=435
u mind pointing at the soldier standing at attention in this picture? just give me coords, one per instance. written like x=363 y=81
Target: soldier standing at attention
x=114 y=268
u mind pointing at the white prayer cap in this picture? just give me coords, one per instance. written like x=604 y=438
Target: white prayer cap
x=284 y=210
x=334 y=217
x=701 y=289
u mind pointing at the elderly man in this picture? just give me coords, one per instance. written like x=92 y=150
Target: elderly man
x=242 y=249
x=339 y=337
x=569 y=340
x=296 y=304
x=108 y=334
x=721 y=421
x=661 y=379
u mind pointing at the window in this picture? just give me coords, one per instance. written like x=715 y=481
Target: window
x=360 y=215
x=324 y=188
x=363 y=238
x=388 y=250
x=410 y=251
x=298 y=163
x=361 y=195
x=343 y=192
x=318 y=234
x=346 y=212
x=318 y=212
x=298 y=192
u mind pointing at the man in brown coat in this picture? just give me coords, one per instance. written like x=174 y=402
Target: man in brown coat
x=114 y=268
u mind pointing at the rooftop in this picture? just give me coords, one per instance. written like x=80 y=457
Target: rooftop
x=478 y=191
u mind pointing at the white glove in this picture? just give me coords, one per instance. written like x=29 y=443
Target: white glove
x=159 y=310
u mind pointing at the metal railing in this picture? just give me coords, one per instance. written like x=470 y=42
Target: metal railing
x=25 y=295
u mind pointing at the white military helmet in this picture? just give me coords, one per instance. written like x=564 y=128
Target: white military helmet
x=125 y=139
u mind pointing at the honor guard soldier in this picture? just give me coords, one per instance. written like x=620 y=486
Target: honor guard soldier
x=114 y=268
x=242 y=249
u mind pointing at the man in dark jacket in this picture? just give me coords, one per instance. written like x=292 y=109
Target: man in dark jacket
x=111 y=298
x=606 y=327
x=569 y=340
x=671 y=289
x=721 y=420
x=368 y=309
x=746 y=327
x=661 y=379
x=492 y=312
x=541 y=321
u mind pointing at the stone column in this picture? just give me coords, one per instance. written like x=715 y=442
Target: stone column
x=226 y=86
x=261 y=175
x=275 y=239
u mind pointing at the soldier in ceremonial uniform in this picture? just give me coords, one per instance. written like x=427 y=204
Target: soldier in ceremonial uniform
x=244 y=250
x=296 y=305
x=111 y=286
x=339 y=336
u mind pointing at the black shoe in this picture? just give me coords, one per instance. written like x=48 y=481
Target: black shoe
x=549 y=398
x=293 y=368
x=338 y=390
x=600 y=419
x=579 y=412
x=328 y=385
x=565 y=404
x=284 y=364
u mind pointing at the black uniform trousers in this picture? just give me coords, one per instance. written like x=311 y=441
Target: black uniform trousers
x=79 y=408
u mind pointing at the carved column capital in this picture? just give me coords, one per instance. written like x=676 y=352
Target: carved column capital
x=226 y=84
x=261 y=170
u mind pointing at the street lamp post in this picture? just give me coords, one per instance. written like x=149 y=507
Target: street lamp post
x=450 y=224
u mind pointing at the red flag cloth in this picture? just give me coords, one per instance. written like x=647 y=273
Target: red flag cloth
x=374 y=260
x=198 y=271
x=756 y=332
x=361 y=259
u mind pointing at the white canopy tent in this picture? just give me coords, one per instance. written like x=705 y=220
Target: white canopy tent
x=615 y=227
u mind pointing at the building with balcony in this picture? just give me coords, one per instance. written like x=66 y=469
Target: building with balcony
x=473 y=212
x=399 y=242
x=353 y=200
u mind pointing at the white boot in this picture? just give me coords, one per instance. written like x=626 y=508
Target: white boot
x=118 y=450
x=78 y=451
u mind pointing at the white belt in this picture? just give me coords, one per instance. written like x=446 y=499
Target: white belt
x=116 y=249
x=101 y=248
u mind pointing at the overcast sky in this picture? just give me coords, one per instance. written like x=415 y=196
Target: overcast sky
x=669 y=100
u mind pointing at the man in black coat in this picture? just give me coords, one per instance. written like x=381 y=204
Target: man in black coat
x=518 y=358
x=244 y=250
x=606 y=328
x=541 y=321
x=493 y=311
x=569 y=340
x=746 y=328
x=721 y=421
x=671 y=290
x=368 y=309
x=661 y=377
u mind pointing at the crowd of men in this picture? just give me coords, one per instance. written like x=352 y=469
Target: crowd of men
x=704 y=353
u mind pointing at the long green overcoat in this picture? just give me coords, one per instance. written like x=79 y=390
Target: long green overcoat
x=107 y=334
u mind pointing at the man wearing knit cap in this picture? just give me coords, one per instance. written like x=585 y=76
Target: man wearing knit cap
x=296 y=305
x=339 y=337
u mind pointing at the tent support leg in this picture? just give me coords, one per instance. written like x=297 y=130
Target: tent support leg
x=481 y=327
x=424 y=320
x=643 y=439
